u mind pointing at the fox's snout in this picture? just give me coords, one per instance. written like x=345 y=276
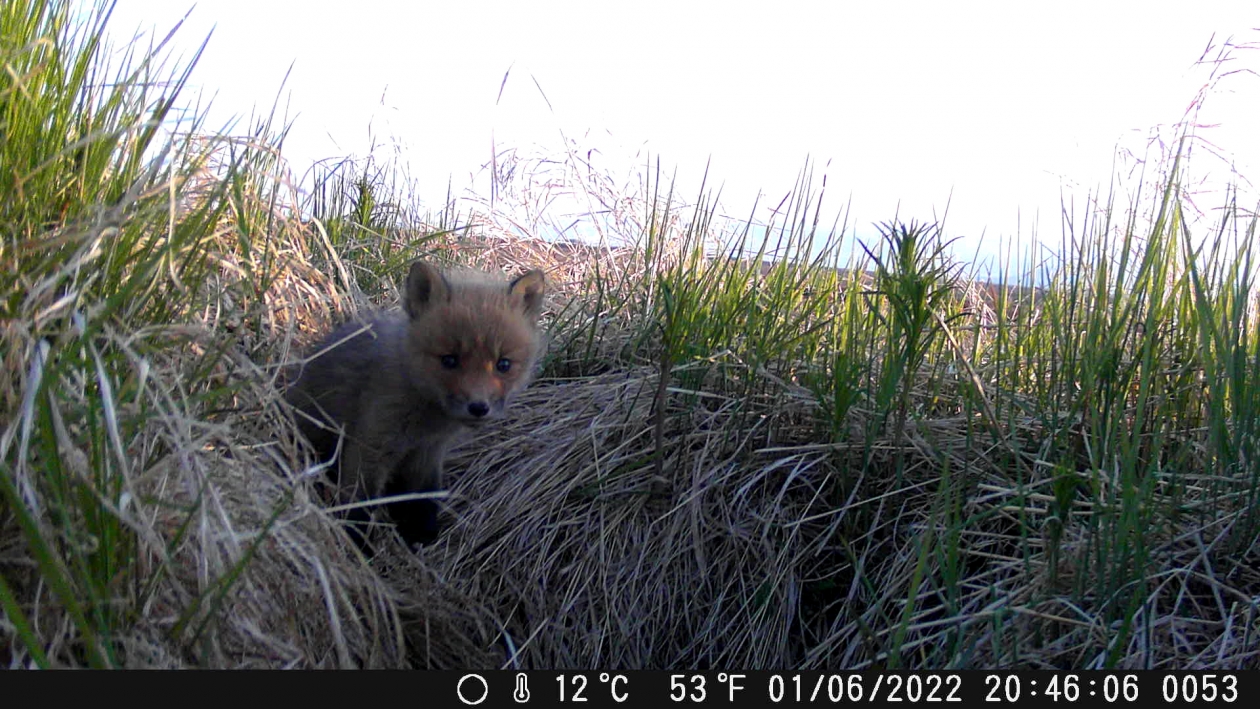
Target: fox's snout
x=473 y=396
x=473 y=407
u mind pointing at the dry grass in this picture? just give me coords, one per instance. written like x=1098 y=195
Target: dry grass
x=584 y=559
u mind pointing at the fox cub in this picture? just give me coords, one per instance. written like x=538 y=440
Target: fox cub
x=402 y=385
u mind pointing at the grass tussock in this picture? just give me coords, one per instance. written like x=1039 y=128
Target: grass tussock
x=744 y=450
x=149 y=513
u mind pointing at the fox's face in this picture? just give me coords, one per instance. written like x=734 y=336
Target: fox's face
x=472 y=346
x=471 y=373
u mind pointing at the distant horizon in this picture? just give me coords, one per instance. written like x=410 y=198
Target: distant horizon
x=999 y=112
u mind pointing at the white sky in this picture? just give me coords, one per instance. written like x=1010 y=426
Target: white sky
x=1001 y=102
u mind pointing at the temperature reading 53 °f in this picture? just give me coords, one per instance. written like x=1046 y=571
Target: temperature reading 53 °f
x=692 y=687
x=573 y=687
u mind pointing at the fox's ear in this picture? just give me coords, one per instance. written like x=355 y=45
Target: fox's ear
x=425 y=285
x=528 y=290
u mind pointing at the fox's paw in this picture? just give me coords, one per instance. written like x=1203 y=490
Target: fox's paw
x=417 y=521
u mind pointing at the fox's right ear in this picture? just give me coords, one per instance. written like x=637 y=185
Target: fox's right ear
x=425 y=286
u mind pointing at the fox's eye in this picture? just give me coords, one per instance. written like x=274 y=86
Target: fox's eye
x=450 y=361
x=503 y=365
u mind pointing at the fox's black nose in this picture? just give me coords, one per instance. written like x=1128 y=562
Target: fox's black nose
x=478 y=408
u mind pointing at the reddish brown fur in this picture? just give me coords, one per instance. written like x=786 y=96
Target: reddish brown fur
x=404 y=384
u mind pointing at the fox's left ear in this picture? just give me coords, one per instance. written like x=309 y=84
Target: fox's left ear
x=528 y=289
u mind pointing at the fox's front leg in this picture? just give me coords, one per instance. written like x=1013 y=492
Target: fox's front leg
x=420 y=470
x=358 y=480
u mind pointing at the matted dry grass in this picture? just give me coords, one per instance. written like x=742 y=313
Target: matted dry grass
x=568 y=551
x=236 y=563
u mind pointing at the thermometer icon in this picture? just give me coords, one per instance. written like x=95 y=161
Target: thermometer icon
x=521 y=693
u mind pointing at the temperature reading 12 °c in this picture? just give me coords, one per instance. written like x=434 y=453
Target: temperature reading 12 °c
x=577 y=688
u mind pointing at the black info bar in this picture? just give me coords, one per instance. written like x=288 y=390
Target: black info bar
x=498 y=689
